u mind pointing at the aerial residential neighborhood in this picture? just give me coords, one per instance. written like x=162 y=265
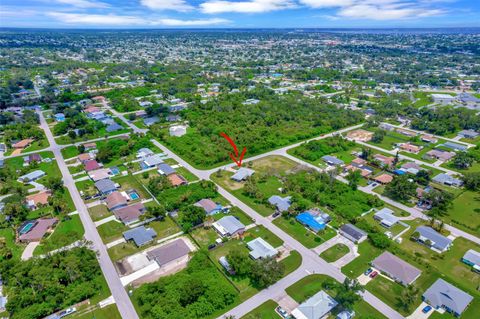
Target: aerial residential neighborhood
x=228 y=160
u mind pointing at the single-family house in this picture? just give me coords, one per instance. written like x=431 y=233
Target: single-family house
x=455 y=146
x=99 y=174
x=115 y=200
x=433 y=239
x=140 y=235
x=396 y=268
x=59 y=117
x=152 y=161
x=165 y=169
x=316 y=307
x=472 y=258
x=209 y=206
x=386 y=218
x=446 y=179
x=229 y=226
x=32 y=158
x=406 y=132
x=468 y=134
x=171 y=253
x=408 y=147
x=105 y=186
x=443 y=295
x=84 y=157
x=176 y=179
x=242 y=174
x=332 y=160
x=90 y=146
x=384 y=160
x=177 y=130
x=40 y=198
x=353 y=233
x=259 y=248
x=23 y=143
x=314 y=219
x=129 y=214
x=91 y=165
x=35 y=230
x=384 y=178
x=32 y=176
x=443 y=99
x=439 y=155
x=149 y=121
x=114 y=127
x=346 y=314
x=428 y=138
x=144 y=152
x=281 y=203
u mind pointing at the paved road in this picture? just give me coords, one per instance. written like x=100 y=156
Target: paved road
x=311 y=262
x=122 y=300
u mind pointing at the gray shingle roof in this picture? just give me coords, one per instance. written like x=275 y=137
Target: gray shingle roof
x=332 y=160
x=166 y=169
x=455 y=146
x=353 y=231
x=242 y=174
x=105 y=185
x=396 y=268
x=140 y=235
x=441 y=293
x=229 y=225
x=443 y=178
x=316 y=306
x=439 y=241
x=169 y=252
x=386 y=217
x=282 y=203
x=261 y=249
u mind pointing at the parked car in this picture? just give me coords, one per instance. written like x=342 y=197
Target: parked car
x=275 y=214
x=426 y=309
x=67 y=312
x=373 y=274
x=368 y=271
x=282 y=312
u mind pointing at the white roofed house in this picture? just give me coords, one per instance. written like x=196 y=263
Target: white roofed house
x=316 y=307
x=259 y=248
x=152 y=161
x=443 y=99
x=32 y=176
x=472 y=258
x=229 y=226
x=242 y=174
x=178 y=130
x=385 y=217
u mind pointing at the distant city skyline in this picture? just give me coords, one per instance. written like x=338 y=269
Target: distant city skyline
x=239 y=13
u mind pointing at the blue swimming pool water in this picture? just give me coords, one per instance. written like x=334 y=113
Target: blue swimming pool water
x=115 y=170
x=25 y=229
x=134 y=196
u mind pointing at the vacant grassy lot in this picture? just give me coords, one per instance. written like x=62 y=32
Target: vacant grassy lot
x=361 y=263
x=335 y=252
x=99 y=212
x=465 y=212
x=108 y=312
x=264 y=311
x=111 y=231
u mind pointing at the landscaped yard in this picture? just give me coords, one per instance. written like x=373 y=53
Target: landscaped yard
x=306 y=237
x=335 y=252
x=66 y=232
x=264 y=311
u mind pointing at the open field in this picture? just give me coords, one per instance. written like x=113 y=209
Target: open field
x=335 y=252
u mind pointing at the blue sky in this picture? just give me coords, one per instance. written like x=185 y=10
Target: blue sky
x=238 y=13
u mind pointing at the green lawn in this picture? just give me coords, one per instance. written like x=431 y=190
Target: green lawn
x=261 y=231
x=204 y=236
x=356 y=267
x=111 y=231
x=8 y=235
x=129 y=182
x=65 y=233
x=70 y=151
x=335 y=252
x=292 y=261
x=189 y=176
x=302 y=234
x=465 y=212
x=310 y=285
x=99 y=212
x=264 y=311
x=237 y=212
x=108 y=312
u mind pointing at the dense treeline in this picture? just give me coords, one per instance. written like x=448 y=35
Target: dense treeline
x=196 y=292
x=275 y=121
x=314 y=150
x=324 y=190
x=446 y=120
x=39 y=287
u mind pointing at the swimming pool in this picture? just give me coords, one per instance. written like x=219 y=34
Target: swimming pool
x=134 y=196
x=26 y=228
x=115 y=170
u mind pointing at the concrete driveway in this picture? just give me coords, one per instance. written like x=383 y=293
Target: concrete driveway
x=418 y=314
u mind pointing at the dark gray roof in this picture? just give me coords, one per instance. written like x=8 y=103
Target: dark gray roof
x=166 y=169
x=140 y=235
x=332 y=160
x=282 y=204
x=151 y=120
x=439 y=241
x=353 y=231
x=455 y=146
x=169 y=252
x=443 y=178
x=396 y=268
x=114 y=127
x=441 y=293
x=105 y=185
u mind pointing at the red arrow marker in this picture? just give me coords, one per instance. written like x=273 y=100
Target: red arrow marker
x=236 y=158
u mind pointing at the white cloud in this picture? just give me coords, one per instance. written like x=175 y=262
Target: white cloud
x=84 y=3
x=126 y=21
x=252 y=6
x=199 y=22
x=177 y=5
x=326 y=3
